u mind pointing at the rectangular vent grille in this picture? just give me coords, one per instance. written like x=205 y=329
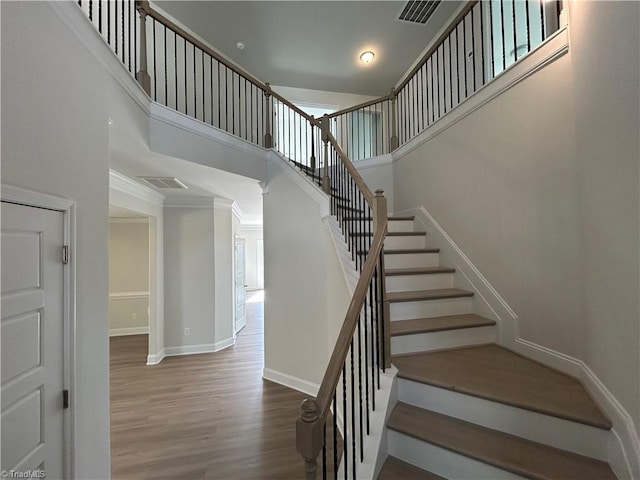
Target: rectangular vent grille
x=165 y=182
x=418 y=11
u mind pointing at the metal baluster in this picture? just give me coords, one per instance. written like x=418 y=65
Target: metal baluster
x=353 y=415
x=344 y=420
x=504 y=47
x=335 y=435
x=515 y=37
x=155 y=69
x=100 y=16
x=166 y=86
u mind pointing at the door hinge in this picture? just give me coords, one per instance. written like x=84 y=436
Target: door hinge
x=65 y=254
x=65 y=399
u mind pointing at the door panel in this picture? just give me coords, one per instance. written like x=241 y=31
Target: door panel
x=32 y=340
x=241 y=319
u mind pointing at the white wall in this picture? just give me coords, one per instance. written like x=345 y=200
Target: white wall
x=198 y=238
x=189 y=276
x=377 y=172
x=128 y=275
x=252 y=235
x=55 y=140
x=540 y=189
x=299 y=267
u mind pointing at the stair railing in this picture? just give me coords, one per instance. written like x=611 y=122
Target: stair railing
x=348 y=388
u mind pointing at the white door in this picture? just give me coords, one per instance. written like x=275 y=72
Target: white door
x=32 y=341
x=241 y=318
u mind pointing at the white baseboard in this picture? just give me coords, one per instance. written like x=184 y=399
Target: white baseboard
x=120 y=332
x=155 y=359
x=298 y=384
x=196 y=349
x=624 y=443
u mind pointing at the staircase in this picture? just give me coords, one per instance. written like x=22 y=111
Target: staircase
x=467 y=407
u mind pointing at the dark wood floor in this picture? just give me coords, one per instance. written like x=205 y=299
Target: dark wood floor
x=208 y=416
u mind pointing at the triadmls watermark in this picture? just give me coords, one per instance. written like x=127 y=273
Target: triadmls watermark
x=39 y=473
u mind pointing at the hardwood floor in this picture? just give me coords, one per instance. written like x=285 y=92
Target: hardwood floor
x=208 y=416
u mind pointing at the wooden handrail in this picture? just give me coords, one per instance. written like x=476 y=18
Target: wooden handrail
x=359 y=106
x=309 y=426
x=360 y=183
x=452 y=26
x=146 y=7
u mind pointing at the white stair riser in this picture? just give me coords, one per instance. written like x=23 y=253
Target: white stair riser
x=537 y=427
x=403 y=283
x=410 y=260
x=430 y=308
x=405 y=241
x=424 y=342
x=442 y=461
x=400 y=226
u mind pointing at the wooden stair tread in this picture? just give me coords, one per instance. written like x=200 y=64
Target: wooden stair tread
x=395 y=469
x=390 y=272
x=434 y=294
x=438 y=324
x=407 y=251
x=401 y=219
x=497 y=374
x=499 y=449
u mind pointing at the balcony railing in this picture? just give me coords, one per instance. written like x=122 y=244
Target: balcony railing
x=183 y=73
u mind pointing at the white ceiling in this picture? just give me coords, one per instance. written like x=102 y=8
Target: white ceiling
x=314 y=44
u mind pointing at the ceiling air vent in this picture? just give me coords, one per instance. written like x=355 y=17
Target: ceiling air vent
x=164 y=182
x=418 y=12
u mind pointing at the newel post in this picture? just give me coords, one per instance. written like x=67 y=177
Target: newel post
x=309 y=437
x=379 y=217
x=326 y=182
x=268 y=139
x=142 y=75
x=393 y=141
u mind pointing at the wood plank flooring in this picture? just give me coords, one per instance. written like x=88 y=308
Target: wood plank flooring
x=208 y=416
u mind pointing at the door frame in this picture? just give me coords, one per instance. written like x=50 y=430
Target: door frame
x=30 y=198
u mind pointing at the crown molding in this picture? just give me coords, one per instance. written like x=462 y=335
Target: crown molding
x=191 y=201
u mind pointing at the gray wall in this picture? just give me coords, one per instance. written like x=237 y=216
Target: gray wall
x=128 y=274
x=54 y=140
x=540 y=189
x=189 y=276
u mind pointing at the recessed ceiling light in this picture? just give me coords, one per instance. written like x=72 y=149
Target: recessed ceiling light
x=240 y=45
x=367 y=57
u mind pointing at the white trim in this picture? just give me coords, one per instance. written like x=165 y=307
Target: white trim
x=197 y=349
x=301 y=180
x=155 y=359
x=128 y=295
x=251 y=227
x=191 y=201
x=121 y=332
x=127 y=185
x=141 y=220
x=189 y=124
x=290 y=381
x=79 y=24
x=35 y=199
x=624 y=443
x=235 y=208
x=378 y=161
x=552 y=49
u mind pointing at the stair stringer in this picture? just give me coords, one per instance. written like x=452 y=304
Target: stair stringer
x=623 y=441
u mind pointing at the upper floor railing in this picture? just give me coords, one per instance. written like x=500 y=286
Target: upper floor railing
x=185 y=74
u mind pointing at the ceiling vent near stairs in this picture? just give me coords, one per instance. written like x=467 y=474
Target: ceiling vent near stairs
x=165 y=182
x=418 y=11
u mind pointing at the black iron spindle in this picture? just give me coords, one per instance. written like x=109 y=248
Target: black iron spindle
x=153 y=39
x=345 y=455
x=504 y=46
x=100 y=16
x=515 y=31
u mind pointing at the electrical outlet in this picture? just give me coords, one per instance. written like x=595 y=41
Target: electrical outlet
x=187 y=332
x=134 y=316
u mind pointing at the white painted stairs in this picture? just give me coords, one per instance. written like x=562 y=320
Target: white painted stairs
x=467 y=407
